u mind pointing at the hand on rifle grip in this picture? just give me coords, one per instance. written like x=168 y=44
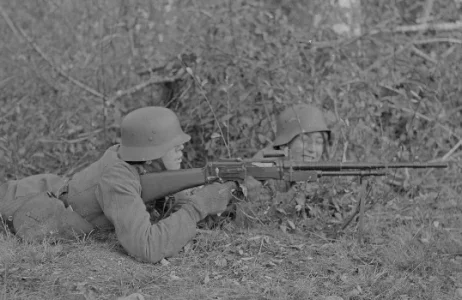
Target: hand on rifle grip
x=212 y=199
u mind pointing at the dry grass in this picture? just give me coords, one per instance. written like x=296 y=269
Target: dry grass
x=412 y=250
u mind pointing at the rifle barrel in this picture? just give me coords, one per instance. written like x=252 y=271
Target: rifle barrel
x=321 y=166
x=353 y=173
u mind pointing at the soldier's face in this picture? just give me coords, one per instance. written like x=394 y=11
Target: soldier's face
x=307 y=147
x=172 y=159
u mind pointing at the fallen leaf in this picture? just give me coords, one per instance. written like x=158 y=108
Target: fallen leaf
x=246 y=258
x=282 y=211
x=206 y=278
x=291 y=224
x=425 y=240
x=299 y=247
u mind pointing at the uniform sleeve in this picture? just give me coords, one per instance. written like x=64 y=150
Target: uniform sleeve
x=119 y=195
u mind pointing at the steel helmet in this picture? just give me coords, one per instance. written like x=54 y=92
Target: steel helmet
x=148 y=133
x=299 y=118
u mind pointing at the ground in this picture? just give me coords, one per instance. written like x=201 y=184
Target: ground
x=412 y=249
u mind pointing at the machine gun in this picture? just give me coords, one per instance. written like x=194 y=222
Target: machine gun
x=272 y=166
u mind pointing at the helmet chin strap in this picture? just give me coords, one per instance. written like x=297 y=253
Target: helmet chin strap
x=326 y=145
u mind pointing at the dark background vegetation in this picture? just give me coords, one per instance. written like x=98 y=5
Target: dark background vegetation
x=70 y=70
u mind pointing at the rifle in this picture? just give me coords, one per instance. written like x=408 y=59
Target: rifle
x=157 y=185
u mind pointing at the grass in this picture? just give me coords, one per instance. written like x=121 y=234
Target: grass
x=412 y=250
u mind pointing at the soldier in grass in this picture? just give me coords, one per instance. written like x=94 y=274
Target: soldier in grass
x=302 y=132
x=107 y=194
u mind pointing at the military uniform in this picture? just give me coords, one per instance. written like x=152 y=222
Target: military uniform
x=107 y=194
x=30 y=207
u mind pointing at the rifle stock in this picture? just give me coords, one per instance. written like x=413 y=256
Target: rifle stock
x=157 y=185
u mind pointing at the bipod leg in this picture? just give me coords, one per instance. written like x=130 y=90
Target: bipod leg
x=362 y=204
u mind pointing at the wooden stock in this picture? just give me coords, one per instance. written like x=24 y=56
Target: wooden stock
x=157 y=185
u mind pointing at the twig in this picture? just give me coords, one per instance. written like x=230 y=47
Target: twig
x=345 y=149
x=453 y=149
x=10 y=23
x=448 y=52
x=138 y=87
x=362 y=203
x=334 y=147
x=379 y=62
x=423 y=54
x=438 y=40
x=270 y=119
x=447 y=26
x=417 y=114
x=199 y=84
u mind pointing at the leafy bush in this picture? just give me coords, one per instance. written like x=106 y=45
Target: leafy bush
x=71 y=70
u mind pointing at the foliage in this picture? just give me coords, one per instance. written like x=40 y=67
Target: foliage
x=70 y=70
x=249 y=61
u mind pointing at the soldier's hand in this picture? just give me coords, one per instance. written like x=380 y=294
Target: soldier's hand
x=212 y=199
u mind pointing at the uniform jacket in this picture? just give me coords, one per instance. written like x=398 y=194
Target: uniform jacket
x=108 y=194
x=15 y=193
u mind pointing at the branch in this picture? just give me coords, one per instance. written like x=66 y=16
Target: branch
x=419 y=115
x=138 y=87
x=448 y=26
x=438 y=40
x=20 y=33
